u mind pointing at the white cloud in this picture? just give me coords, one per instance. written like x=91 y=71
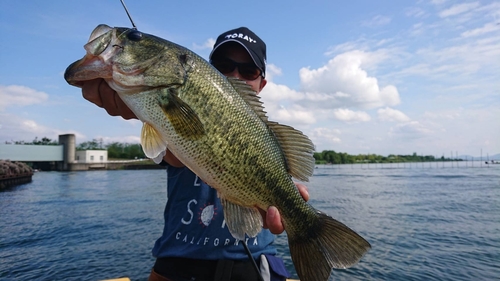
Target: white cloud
x=389 y=114
x=271 y=71
x=346 y=47
x=15 y=128
x=275 y=92
x=444 y=115
x=438 y=2
x=292 y=114
x=348 y=115
x=209 y=44
x=121 y=139
x=377 y=20
x=342 y=82
x=325 y=137
x=15 y=95
x=416 y=12
x=458 y=9
x=282 y=104
x=456 y=62
x=410 y=130
x=489 y=27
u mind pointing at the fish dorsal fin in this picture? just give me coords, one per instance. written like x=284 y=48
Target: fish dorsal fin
x=250 y=96
x=152 y=143
x=297 y=148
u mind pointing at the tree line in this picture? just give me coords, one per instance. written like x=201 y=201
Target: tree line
x=332 y=157
x=116 y=150
x=132 y=151
x=36 y=141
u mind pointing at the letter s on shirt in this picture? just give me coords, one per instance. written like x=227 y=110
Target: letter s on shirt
x=193 y=201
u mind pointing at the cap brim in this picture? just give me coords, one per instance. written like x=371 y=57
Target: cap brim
x=250 y=52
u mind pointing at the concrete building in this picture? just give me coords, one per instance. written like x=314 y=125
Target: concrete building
x=91 y=156
x=62 y=157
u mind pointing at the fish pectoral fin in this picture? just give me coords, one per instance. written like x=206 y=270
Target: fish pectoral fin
x=182 y=117
x=159 y=158
x=241 y=219
x=152 y=143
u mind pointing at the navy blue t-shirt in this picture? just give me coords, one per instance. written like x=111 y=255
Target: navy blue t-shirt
x=195 y=227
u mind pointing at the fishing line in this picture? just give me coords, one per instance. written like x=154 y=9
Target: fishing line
x=128 y=14
x=253 y=261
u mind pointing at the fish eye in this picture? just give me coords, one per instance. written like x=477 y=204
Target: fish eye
x=134 y=35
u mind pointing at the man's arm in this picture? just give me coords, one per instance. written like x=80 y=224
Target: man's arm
x=97 y=91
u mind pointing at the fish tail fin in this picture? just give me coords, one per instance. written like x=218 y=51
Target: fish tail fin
x=329 y=244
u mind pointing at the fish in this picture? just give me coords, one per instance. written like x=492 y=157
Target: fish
x=218 y=128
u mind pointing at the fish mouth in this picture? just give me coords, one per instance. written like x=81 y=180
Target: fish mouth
x=102 y=60
x=86 y=69
x=93 y=65
x=116 y=57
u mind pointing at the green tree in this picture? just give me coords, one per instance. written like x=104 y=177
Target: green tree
x=90 y=145
x=124 y=150
x=44 y=141
x=36 y=141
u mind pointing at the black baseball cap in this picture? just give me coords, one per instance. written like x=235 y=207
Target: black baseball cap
x=255 y=47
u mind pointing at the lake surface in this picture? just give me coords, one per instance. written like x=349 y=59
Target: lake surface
x=430 y=221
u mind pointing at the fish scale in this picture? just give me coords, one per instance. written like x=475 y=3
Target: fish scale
x=217 y=127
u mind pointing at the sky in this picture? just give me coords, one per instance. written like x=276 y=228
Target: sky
x=377 y=77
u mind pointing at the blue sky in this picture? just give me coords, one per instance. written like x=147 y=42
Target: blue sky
x=383 y=77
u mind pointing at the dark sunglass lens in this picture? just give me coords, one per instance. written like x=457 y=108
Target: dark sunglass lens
x=249 y=72
x=224 y=66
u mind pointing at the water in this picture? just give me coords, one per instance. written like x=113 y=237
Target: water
x=425 y=222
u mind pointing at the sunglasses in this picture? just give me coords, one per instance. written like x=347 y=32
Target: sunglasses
x=248 y=71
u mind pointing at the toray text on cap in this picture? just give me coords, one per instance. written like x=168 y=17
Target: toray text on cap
x=240 y=35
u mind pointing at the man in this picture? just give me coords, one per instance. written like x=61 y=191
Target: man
x=196 y=244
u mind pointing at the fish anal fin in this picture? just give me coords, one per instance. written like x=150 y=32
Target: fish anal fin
x=297 y=148
x=152 y=143
x=241 y=219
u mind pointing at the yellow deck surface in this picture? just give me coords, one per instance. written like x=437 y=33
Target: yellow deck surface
x=128 y=279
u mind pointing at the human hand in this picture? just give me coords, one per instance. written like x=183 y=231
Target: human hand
x=98 y=92
x=272 y=218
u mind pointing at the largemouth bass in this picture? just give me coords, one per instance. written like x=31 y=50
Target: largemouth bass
x=217 y=127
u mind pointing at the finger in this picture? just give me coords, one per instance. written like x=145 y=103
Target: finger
x=122 y=109
x=90 y=91
x=110 y=100
x=113 y=104
x=303 y=191
x=273 y=220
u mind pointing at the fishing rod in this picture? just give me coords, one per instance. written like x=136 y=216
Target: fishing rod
x=128 y=14
x=249 y=254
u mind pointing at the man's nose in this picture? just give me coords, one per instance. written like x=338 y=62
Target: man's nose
x=235 y=73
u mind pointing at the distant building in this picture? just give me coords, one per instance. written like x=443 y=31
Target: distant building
x=91 y=156
x=62 y=157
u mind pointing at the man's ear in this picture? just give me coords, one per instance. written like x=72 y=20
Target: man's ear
x=263 y=83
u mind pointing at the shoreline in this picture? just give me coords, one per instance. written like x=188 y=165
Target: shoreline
x=14 y=180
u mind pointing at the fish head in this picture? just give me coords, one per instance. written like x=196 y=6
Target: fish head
x=147 y=72
x=130 y=61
